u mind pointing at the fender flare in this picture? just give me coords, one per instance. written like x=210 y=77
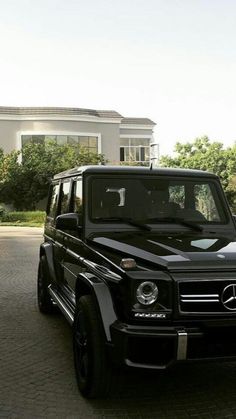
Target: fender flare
x=47 y=250
x=101 y=293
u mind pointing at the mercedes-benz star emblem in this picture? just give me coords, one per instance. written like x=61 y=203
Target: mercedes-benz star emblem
x=228 y=297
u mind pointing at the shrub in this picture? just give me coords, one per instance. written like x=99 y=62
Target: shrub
x=35 y=217
x=2 y=212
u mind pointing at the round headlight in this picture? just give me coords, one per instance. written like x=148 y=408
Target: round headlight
x=147 y=293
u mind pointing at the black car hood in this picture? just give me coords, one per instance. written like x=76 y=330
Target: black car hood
x=179 y=251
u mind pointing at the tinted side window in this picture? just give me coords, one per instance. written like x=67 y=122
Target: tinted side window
x=53 y=201
x=78 y=197
x=65 y=191
x=205 y=203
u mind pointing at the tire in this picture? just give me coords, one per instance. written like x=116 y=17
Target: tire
x=93 y=371
x=45 y=303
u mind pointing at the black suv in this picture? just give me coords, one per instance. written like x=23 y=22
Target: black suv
x=142 y=263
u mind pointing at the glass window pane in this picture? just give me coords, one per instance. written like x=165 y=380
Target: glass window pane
x=122 y=154
x=50 y=139
x=93 y=142
x=146 y=153
x=142 y=153
x=137 y=154
x=72 y=139
x=61 y=139
x=78 y=197
x=155 y=198
x=204 y=202
x=177 y=194
x=26 y=139
x=92 y=150
x=139 y=141
x=38 y=139
x=132 y=153
x=53 y=201
x=83 y=141
x=65 y=197
x=127 y=154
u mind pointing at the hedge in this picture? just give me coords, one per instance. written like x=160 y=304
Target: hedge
x=37 y=217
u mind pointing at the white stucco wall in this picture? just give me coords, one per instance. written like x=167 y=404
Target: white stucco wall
x=11 y=131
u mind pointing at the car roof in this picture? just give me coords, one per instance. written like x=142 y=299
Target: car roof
x=133 y=170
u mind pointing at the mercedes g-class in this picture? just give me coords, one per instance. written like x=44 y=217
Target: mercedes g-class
x=142 y=263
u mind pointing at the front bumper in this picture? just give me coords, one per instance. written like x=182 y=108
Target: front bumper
x=159 y=347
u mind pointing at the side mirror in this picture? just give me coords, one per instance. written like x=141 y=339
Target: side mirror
x=68 y=221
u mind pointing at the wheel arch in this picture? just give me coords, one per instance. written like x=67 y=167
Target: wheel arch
x=88 y=284
x=46 y=249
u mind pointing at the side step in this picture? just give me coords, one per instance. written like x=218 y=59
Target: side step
x=60 y=302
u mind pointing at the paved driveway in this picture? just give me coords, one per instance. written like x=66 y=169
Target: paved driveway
x=36 y=366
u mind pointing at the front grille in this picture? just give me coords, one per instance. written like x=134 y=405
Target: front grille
x=207 y=296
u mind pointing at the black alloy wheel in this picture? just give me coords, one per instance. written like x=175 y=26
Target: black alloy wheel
x=92 y=368
x=45 y=302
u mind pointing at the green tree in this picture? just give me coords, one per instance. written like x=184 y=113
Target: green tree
x=24 y=183
x=211 y=156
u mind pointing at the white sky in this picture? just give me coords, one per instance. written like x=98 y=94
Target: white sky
x=173 y=61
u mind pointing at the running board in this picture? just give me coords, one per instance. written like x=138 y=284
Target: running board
x=62 y=306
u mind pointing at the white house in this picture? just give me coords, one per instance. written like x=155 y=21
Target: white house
x=120 y=139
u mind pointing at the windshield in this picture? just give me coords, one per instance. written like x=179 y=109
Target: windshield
x=155 y=199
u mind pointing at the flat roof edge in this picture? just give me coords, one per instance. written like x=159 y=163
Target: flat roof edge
x=132 y=170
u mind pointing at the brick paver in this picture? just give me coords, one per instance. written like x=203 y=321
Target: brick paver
x=36 y=366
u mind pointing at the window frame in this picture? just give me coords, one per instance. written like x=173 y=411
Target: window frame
x=140 y=148
x=67 y=133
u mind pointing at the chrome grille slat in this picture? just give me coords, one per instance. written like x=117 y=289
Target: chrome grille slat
x=199 y=295
x=203 y=296
x=199 y=298
x=201 y=301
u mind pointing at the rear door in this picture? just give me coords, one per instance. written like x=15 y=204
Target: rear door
x=75 y=248
x=51 y=212
x=62 y=208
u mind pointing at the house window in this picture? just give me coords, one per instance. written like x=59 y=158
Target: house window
x=88 y=142
x=135 y=150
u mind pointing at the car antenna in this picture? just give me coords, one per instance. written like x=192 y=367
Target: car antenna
x=151 y=165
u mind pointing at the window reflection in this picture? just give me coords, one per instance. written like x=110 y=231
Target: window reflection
x=89 y=142
x=135 y=150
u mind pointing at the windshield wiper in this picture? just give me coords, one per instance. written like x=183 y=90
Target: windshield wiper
x=191 y=224
x=127 y=220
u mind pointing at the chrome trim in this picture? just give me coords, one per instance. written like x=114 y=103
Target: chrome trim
x=190 y=280
x=213 y=300
x=99 y=254
x=101 y=271
x=229 y=299
x=150 y=315
x=94 y=267
x=182 y=345
x=74 y=255
x=199 y=295
x=200 y=298
x=48 y=237
x=217 y=307
x=67 y=313
x=58 y=244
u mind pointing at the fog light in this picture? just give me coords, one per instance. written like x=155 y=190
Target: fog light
x=147 y=293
